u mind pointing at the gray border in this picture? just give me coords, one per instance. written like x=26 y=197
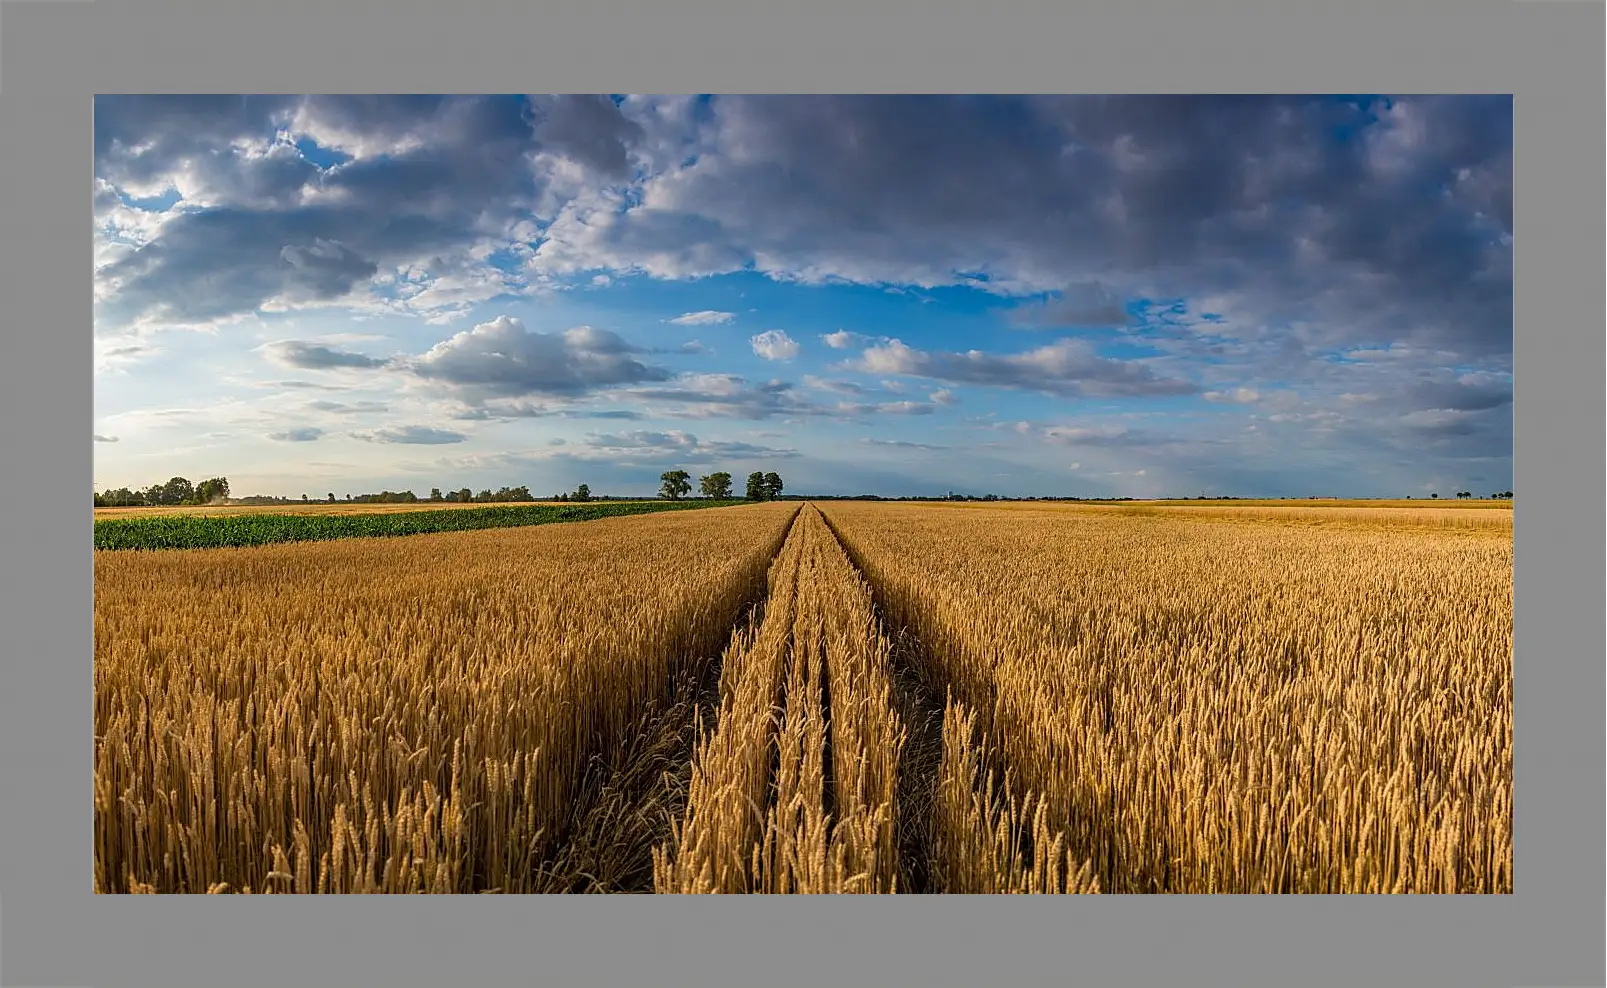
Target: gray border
x=56 y=56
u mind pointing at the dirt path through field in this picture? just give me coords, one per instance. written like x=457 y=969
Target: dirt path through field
x=918 y=698
x=633 y=795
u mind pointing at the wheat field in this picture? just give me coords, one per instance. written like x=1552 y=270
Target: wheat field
x=391 y=715
x=1228 y=700
x=839 y=697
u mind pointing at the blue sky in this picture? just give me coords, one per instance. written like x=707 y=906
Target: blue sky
x=1089 y=296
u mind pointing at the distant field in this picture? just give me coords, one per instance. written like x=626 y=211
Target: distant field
x=1325 y=503
x=323 y=508
x=1375 y=514
x=175 y=530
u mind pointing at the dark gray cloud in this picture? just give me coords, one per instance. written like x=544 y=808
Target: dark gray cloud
x=1352 y=221
x=302 y=435
x=419 y=181
x=312 y=356
x=1086 y=304
x=1069 y=367
x=411 y=435
x=1379 y=219
x=323 y=270
x=589 y=130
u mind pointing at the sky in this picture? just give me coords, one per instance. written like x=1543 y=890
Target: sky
x=1027 y=296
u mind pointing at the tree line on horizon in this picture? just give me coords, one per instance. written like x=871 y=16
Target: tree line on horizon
x=674 y=485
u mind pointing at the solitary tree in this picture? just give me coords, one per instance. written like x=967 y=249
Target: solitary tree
x=756 y=488
x=331 y=497
x=676 y=484
x=716 y=486
x=215 y=489
x=772 y=486
x=582 y=493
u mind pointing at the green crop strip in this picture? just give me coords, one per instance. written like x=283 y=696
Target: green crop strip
x=215 y=532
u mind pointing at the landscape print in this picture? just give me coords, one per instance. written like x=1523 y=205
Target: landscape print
x=803 y=494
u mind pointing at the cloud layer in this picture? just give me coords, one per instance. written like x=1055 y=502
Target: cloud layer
x=1307 y=283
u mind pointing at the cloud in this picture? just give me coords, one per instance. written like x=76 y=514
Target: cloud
x=726 y=396
x=887 y=408
x=1085 y=304
x=337 y=408
x=311 y=356
x=1364 y=220
x=412 y=435
x=1095 y=436
x=1296 y=205
x=1238 y=396
x=587 y=130
x=395 y=182
x=519 y=409
x=1069 y=368
x=300 y=386
x=841 y=387
x=303 y=435
x=681 y=447
x=844 y=340
x=105 y=439
x=707 y=317
x=899 y=444
x=775 y=344
x=645 y=448
x=501 y=359
x=944 y=396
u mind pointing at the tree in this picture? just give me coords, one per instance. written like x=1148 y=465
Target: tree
x=676 y=484
x=215 y=489
x=435 y=494
x=582 y=493
x=304 y=498
x=716 y=486
x=756 y=489
x=177 y=491
x=1464 y=494
x=1435 y=496
x=772 y=486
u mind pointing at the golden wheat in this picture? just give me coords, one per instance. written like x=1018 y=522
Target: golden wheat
x=1228 y=701
x=810 y=685
x=391 y=715
x=1038 y=698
